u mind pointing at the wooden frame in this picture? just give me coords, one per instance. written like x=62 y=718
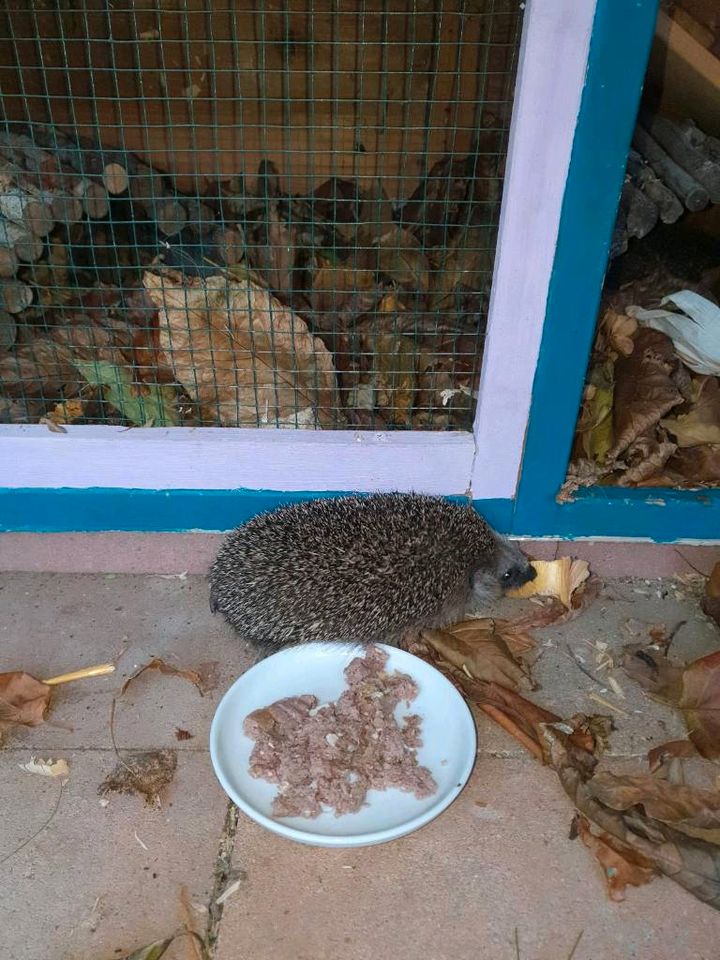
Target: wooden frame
x=484 y=464
x=573 y=119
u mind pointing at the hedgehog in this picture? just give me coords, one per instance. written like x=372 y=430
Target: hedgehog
x=360 y=569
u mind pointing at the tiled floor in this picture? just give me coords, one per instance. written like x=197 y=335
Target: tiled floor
x=498 y=867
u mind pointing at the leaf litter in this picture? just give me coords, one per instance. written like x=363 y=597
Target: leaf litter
x=665 y=820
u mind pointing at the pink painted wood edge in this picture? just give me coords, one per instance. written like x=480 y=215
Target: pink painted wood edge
x=214 y=459
x=552 y=66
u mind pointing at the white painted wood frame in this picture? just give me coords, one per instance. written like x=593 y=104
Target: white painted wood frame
x=485 y=463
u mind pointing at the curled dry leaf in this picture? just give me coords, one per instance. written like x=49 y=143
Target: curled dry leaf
x=46 y=768
x=144 y=772
x=342 y=294
x=701 y=424
x=395 y=376
x=399 y=255
x=474 y=647
x=23 y=700
x=698 y=464
x=619 y=330
x=240 y=353
x=272 y=252
x=711 y=600
x=41 y=368
x=621 y=865
x=644 y=458
x=555 y=578
x=689 y=861
x=156 y=663
x=694 y=690
x=644 y=389
x=688 y=809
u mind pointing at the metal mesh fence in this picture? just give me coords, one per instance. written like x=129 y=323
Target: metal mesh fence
x=276 y=214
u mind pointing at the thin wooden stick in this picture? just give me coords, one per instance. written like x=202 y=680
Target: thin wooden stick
x=512 y=728
x=99 y=671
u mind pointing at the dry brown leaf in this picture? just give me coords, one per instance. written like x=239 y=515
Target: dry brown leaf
x=645 y=457
x=400 y=256
x=698 y=464
x=555 y=578
x=619 y=330
x=395 y=376
x=689 y=861
x=621 y=865
x=67 y=411
x=694 y=690
x=157 y=664
x=273 y=253
x=701 y=424
x=24 y=700
x=700 y=703
x=342 y=294
x=41 y=368
x=474 y=647
x=644 y=389
x=711 y=600
x=144 y=772
x=688 y=809
x=238 y=351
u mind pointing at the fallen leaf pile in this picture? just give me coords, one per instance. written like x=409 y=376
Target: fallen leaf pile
x=665 y=820
x=651 y=408
x=341 y=307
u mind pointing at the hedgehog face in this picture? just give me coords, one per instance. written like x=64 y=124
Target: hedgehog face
x=508 y=569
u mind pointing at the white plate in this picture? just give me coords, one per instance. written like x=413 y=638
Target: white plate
x=448 y=733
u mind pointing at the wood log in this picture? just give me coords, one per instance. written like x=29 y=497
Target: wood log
x=169 y=215
x=21 y=207
x=641 y=214
x=669 y=207
x=8 y=329
x=692 y=159
x=686 y=187
x=619 y=241
x=709 y=145
x=25 y=245
x=115 y=178
x=94 y=198
x=200 y=216
x=8 y=261
x=230 y=244
x=15 y=296
x=64 y=207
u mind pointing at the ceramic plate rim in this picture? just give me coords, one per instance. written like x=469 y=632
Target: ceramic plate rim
x=348 y=840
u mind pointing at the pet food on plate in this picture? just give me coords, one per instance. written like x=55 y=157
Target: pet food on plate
x=331 y=755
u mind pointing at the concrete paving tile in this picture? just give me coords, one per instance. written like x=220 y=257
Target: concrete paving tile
x=102 y=880
x=52 y=623
x=498 y=860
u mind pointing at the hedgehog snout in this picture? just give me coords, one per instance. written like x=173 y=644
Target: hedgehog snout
x=517 y=575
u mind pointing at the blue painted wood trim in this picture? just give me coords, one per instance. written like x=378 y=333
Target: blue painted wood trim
x=52 y=510
x=619 y=48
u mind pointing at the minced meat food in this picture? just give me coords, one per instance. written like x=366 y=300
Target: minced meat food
x=331 y=755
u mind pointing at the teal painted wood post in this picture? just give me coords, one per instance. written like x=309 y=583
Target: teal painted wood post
x=617 y=62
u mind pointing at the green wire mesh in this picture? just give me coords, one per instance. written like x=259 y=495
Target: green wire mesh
x=250 y=214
